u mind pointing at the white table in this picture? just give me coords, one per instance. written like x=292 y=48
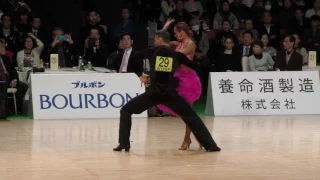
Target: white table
x=72 y=94
x=307 y=68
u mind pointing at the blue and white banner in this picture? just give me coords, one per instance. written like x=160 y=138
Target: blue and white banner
x=263 y=93
x=83 y=96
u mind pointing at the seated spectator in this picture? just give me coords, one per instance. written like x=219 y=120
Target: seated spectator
x=11 y=36
x=22 y=26
x=226 y=31
x=301 y=22
x=7 y=52
x=289 y=59
x=194 y=7
x=213 y=7
x=286 y=17
x=245 y=49
x=271 y=29
x=30 y=55
x=301 y=4
x=264 y=38
x=315 y=10
x=311 y=38
x=126 y=25
x=225 y=13
x=10 y=75
x=167 y=6
x=63 y=46
x=180 y=15
x=228 y=59
x=201 y=40
x=95 y=51
x=122 y=64
x=85 y=31
x=257 y=10
x=301 y=50
x=105 y=28
x=240 y=10
x=260 y=61
x=37 y=30
x=248 y=26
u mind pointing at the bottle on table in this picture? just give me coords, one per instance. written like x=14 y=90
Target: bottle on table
x=41 y=63
x=79 y=62
x=82 y=67
x=89 y=66
x=21 y=67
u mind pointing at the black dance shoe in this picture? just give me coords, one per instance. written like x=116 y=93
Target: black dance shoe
x=213 y=149
x=120 y=147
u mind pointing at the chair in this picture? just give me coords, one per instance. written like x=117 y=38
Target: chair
x=13 y=91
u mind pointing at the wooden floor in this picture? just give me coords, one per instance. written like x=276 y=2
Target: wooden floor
x=253 y=148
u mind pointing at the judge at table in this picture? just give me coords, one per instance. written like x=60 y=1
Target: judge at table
x=122 y=63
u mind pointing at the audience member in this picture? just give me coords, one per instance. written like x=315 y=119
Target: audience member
x=11 y=36
x=259 y=60
x=226 y=31
x=194 y=7
x=311 y=38
x=240 y=10
x=63 y=46
x=180 y=15
x=248 y=26
x=315 y=10
x=264 y=38
x=126 y=25
x=95 y=51
x=257 y=10
x=301 y=22
x=23 y=24
x=286 y=16
x=7 y=52
x=301 y=50
x=30 y=55
x=10 y=75
x=245 y=49
x=271 y=29
x=228 y=59
x=289 y=59
x=105 y=28
x=167 y=6
x=224 y=13
x=122 y=64
x=213 y=8
x=85 y=31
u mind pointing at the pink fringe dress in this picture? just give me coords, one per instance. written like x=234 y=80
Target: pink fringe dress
x=189 y=84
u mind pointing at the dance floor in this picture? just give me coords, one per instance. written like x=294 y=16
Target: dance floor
x=253 y=148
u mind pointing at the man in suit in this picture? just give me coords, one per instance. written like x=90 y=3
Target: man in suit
x=245 y=49
x=289 y=59
x=122 y=63
x=271 y=29
x=95 y=51
x=9 y=74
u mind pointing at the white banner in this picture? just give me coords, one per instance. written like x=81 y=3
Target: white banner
x=83 y=96
x=263 y=93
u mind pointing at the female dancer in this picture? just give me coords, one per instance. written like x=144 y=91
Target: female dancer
x=189 y=83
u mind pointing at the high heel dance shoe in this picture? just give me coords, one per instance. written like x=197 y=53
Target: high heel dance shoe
x=120 y=147
x=185 y=145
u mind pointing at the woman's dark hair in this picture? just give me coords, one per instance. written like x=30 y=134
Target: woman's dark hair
x=258 y=43
x=228 y=37
x=181 y=26
x=221 y=5
x=297 y=34
x=34 y=42
x=165 y=35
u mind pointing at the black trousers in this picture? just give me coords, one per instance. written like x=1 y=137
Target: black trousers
x=144 y=101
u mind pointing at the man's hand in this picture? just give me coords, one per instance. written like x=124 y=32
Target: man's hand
x=144 y=79
x=69 y=38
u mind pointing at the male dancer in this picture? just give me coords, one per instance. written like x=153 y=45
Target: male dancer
x=163 y=62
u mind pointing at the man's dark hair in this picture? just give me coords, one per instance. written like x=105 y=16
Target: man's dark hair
x=247 y=32
x=126 y=34
x=312 y=18
x=34 y=17
x=291 y=38
x=165 y=35
x=5 y=15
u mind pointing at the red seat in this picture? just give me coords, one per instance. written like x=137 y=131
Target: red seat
x=211 y=34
